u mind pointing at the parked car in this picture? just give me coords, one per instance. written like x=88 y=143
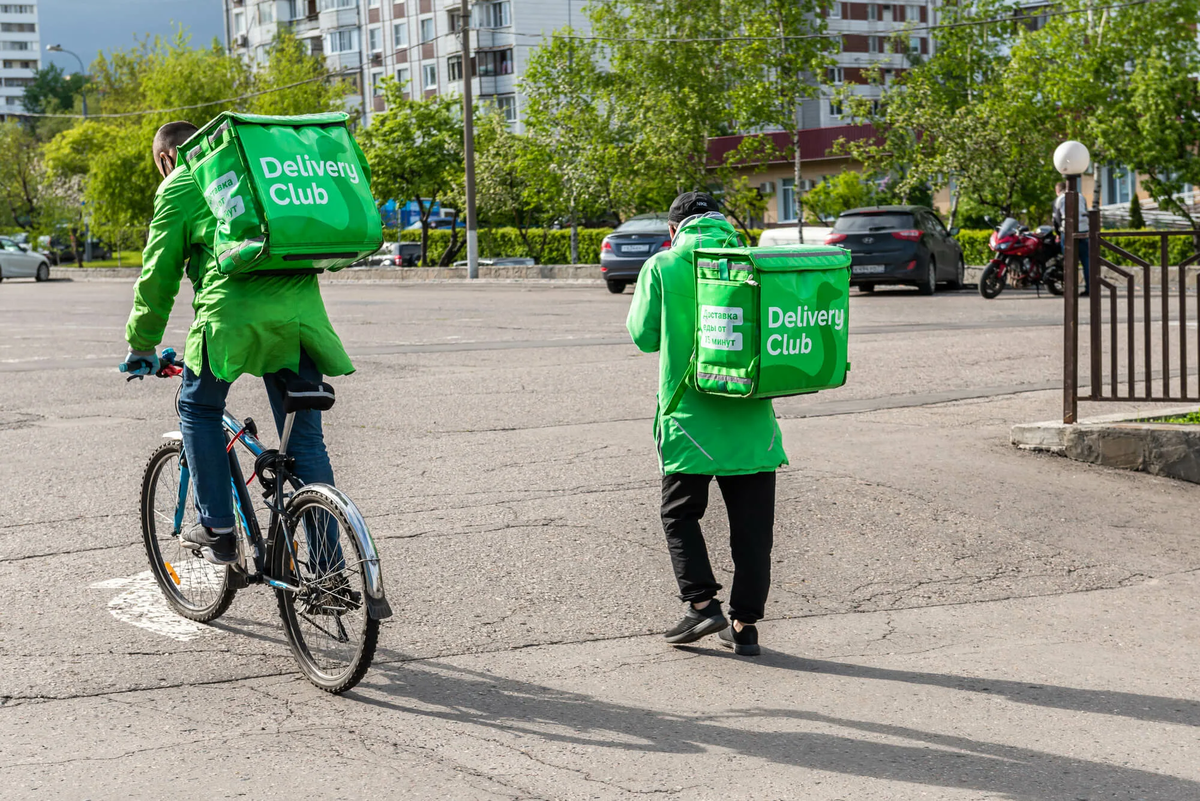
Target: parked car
x=393 y=254
x=626 y=249
x=506 y=261
x=443 y=223
x=899 y=245
x=789 y=235
x=59 y=251
x=20 y=261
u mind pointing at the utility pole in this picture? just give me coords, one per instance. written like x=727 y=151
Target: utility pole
x=469 y=142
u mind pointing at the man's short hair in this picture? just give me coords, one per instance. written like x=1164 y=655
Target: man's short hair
x=172 y=135
x=1061 y=186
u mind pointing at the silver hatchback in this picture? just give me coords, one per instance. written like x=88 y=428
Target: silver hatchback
x=18 y=261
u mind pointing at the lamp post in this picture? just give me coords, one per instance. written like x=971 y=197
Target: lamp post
x=1071 y=159
x=82 y=71
x=87 y=228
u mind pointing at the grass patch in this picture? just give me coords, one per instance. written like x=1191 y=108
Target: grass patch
x=1191 y=418
x=129 y=258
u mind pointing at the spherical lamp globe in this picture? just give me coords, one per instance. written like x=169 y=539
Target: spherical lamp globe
x=1072 y=158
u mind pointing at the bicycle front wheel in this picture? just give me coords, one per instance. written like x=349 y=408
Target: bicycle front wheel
x=326 y=620
x=194 y=588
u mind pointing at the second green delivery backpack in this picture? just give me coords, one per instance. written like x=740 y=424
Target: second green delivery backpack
x=291 y=194
x=770 y=321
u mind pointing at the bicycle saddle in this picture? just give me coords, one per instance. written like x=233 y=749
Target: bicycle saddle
x=300 y=395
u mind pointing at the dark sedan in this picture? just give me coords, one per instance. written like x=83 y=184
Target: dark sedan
x=626 y=249
x=899 y=245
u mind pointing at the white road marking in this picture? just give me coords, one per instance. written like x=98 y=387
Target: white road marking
x=141 y=604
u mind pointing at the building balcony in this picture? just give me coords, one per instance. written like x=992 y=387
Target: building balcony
x=338 y=62
x=336 y=18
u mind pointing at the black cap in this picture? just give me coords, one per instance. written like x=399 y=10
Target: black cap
x=690 y=203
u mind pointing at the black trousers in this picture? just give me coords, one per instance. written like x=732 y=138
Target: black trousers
x=750 y=501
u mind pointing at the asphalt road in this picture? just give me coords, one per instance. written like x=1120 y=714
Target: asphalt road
x=950 y=618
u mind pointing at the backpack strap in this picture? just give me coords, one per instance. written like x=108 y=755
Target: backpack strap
x=681 y=387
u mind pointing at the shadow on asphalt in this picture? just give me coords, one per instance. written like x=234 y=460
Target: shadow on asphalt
x=470 y=697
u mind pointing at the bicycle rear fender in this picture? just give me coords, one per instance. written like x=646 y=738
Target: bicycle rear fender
x=377 y=605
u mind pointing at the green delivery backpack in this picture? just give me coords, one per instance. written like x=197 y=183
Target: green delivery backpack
x=291 y=194
x=770 y=321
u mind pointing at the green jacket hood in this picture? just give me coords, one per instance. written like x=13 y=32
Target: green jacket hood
x=708 y=230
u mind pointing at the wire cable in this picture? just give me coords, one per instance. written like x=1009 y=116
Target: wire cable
x=247 y=96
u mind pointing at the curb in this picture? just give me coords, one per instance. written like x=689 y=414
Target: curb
x=1118 y=440
x=572 y=273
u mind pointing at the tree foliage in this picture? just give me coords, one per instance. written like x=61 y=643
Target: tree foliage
x=53 y=91
x=415 y=149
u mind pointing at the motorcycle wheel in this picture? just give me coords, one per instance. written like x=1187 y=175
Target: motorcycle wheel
x=991 y=283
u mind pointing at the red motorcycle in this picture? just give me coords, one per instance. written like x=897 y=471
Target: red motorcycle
x=1024 y=258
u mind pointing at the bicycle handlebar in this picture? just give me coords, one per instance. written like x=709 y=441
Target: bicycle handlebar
x=168 y=366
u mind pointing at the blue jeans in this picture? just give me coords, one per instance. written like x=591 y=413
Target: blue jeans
x=201 y=409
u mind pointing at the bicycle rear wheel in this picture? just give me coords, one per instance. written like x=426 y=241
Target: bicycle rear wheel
x=194 y=588
x=327 y=624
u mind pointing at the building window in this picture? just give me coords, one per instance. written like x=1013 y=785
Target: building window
x=836 y=75
x=400 y=35
x=787 y=200
x=239 y=22
x=454 y=69
x=16 y=9
x=375 y=39
x=455 y=21
x=266 y=12
x=16 y=45
x=873 y=44
x=835 y=108
x=427 y=30
x=914 y=45
x=329 y=5
x=1119 y=185
x=429 y=76
x=372 y=3
x=376 y=89
x=402 y=79
x=872 y=12
x=344 y=40
x=18 y=27
x=507 y=105
x=495 y=62
x=497 y=15
x=835 y=11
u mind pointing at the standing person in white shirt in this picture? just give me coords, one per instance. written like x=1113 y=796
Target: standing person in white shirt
x=1060 y=210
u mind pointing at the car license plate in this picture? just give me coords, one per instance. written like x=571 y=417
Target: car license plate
x=635 y=249
x=867 y=269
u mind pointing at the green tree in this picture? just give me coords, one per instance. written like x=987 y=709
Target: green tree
x=1136 y=220
x=289 y=66
x=415 y=149
x=52 y=91
x=836 y=194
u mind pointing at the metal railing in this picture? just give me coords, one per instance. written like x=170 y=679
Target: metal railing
x=1132 y=356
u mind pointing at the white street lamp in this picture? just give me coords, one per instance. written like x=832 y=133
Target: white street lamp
x=1072 y=158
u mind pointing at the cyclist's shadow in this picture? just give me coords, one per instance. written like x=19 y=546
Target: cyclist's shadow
x=475 y=698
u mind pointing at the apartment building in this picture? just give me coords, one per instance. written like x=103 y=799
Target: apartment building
x=20 y=54
x=417 y=42
x=867 y=42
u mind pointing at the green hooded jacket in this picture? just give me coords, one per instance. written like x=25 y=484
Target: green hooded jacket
x=247 y=324
x=705 y=434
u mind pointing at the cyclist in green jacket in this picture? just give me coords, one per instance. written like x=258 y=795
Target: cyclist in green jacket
x=735 y=440
x=275 y=327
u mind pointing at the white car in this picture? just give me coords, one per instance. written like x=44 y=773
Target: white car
x=813 y=235
x=18 y=261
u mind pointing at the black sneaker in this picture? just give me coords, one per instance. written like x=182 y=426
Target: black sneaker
x=743 y=643
x=219 y=549
x=697 y=623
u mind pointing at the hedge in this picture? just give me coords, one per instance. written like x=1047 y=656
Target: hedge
x=496 y=243
x=500 y=243
x=976 y=251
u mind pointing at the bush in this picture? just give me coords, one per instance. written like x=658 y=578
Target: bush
x=506 y=243
x=976 y=251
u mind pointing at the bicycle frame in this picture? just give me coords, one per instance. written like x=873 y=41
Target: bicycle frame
x=237 y=432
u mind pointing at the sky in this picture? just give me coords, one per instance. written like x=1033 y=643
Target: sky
x=90 y=26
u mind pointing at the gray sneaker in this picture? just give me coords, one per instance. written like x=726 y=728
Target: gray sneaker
x=697 y=623
x=219 y=549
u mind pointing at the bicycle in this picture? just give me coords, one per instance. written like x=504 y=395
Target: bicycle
x=330 y=603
